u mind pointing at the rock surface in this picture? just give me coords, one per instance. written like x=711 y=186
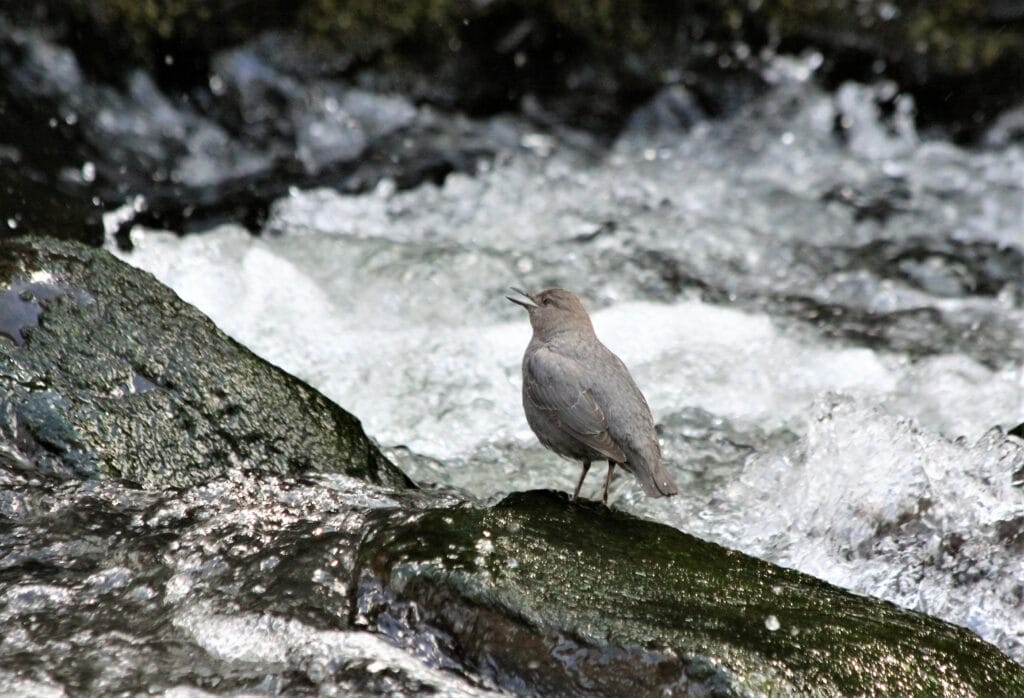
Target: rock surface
x=103 y=370
x=547 y=596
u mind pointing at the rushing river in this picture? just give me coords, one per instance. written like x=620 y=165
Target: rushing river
x=823 y=307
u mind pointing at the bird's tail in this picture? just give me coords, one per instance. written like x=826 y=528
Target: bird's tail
x=656 y=480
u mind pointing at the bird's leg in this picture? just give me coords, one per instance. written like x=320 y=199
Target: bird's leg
x=586 y=467
x=608 y=480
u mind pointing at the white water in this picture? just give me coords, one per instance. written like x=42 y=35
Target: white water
x=863 y=465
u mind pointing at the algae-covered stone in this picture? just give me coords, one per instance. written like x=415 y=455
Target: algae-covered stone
x=103 y=370
x=547 y=596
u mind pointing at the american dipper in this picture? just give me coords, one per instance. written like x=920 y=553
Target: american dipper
x=579 y=398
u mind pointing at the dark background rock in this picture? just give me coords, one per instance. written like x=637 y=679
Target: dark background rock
x=40 y=159
x=171 y=73
x=271 y=115
x=103 y=370
x=595 y=58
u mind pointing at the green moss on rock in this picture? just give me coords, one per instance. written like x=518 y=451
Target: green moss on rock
x=546 y=595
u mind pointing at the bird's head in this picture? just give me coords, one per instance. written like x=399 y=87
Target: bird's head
x=553 y=311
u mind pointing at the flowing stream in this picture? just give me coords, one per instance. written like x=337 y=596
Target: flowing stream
x=822 y=305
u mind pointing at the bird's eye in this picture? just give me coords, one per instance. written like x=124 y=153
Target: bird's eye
x=546 y=301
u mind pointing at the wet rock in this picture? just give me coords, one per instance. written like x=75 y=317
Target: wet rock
x=105 y=371
x=945 y=267
x=43 y=185
x=992 y=340
x=195 y=583
x=590 y=63
x=210 y=111
x=634 y=606
x=271 y=115
x=267 y=584
x=972 y=50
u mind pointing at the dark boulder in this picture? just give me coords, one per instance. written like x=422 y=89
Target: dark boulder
x=103 y=370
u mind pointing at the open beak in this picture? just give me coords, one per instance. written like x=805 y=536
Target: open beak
x=524 y=301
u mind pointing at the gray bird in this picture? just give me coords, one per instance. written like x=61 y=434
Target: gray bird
x=579 y=398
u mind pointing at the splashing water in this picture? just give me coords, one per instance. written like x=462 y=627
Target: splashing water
x=823 y=308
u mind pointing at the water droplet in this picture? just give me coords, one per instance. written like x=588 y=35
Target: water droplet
x=539 y=143
x=772 y=623
x=887 y=11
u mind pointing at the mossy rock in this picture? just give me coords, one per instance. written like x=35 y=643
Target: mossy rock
x=105 y=371
x=547 y=596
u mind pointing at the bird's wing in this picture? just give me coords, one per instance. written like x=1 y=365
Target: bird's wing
x=555 y=385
